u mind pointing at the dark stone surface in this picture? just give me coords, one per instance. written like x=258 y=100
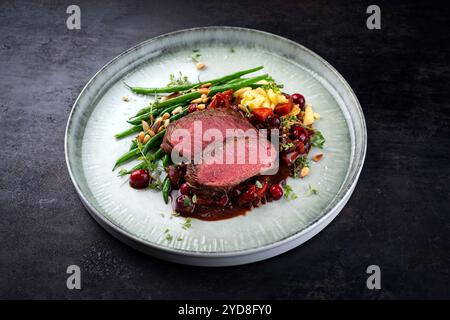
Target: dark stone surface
x=398 y=216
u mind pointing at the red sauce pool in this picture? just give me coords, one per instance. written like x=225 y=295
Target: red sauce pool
x=214 y=212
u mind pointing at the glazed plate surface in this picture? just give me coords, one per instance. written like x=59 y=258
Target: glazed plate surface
x=140 y=218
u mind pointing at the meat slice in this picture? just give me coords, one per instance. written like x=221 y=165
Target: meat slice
x=218 y=119
x=227 y=163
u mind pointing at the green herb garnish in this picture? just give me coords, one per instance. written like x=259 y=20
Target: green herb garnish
x=195 y=56
x=152 y=167
x=187 y=223
x=288 y=121
x=289 y=194
x=169 y=237
x=311 y=191
x=286 y=146
x=180 y=81
x=299 y=164
x=317 y=139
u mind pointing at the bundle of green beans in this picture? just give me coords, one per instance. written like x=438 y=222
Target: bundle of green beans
x=172 y=89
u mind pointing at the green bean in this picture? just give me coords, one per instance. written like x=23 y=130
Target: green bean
x=139 y=166
x=145 y=116
x=223 y=79
x=166 y=189
x=126 y=157
x=142 y=165
x=154 y=141
x=127 y=132
x=173 y=101
x=238 y=85
x=166 y=160
x=133 y=144
x=170 y=109
x=158 y=154
x=138 y=119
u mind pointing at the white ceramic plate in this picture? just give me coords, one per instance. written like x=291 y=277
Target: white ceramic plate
x=140 y=218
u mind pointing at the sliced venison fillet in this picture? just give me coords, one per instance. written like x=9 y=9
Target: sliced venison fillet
x=228 y=163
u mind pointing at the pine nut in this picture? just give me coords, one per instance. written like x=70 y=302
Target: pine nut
x=317 y=157
x=156 y=124
x=151 y=132
x=204 y=90
x=198 y=100
x=177 y=110
x=166 y=123
x=304 y=172
x=166 y=116
x=316 y=116
x=125 y=98
x=141 y=136
x=201 y=106
x=145 y=125
x=206 y=85
x=146 y=138
x=200 y=65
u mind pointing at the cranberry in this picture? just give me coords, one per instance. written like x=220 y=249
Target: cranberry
x=276 y=191
x=249 y=195
x=300 y=147
x=299 y=133
x=192 y=107
x=139 y=179
x=185 y=189
x=299 y=99
x=273 y=121
x=175 y=173
x=184 y=205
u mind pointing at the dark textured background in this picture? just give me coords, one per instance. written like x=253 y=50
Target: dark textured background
x=398 y=216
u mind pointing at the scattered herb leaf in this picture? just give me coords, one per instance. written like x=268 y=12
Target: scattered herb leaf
x=299 y=164
x=288 y=121
x=195 y=56
x=289 y=194
x=180 y=81
x=187 y=223
x=272 y=85
x=286 y=146
x=169 y=237
x=310 y=191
